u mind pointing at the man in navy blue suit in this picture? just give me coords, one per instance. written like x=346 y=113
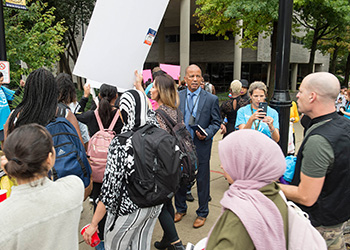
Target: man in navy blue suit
x=199 y=108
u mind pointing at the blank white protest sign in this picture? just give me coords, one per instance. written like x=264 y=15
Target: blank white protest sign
x=117 y=40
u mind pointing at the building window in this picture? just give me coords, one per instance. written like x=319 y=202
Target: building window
x=172 y=38
x=297 y=40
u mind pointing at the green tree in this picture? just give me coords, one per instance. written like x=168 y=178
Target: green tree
x=32 y=37
x=259 y=17
x=337 y=44
x=75 y=15
x=321 y=19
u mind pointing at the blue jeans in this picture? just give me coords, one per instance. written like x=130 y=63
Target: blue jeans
x=100 y=246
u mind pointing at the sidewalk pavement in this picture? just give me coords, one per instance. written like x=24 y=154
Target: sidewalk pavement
x=218 y=185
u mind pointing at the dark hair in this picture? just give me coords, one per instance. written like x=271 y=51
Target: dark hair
x=107 y=94
x=66 y=89
x=1 y=74
x=39 y=101
x=167 y=90
x=206 y=77
x=245 y=83
x=26 y=149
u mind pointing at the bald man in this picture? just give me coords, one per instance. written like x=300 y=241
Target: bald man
x=199 y=107
x=321 y=183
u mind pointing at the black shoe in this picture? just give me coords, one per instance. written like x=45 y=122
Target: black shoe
x=162 y=244
x=177 y=246
x=209 y=198
x=189 y=197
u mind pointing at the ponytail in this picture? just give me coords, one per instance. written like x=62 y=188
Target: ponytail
x=107 y=94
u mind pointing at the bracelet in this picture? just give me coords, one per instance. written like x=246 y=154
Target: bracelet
x=271 y=131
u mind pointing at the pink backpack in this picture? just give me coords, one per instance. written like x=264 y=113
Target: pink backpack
x=98 y=147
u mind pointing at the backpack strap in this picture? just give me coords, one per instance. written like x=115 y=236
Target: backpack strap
x=111 y=126
x=62 y=110
x=98 y=119
x=114 y=121
x=167 y=119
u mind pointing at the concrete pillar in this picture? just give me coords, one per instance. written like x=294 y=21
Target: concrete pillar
x=268 y=75
x=185 y=14
x=237 y=64
x=294 y=76
x=161 y=40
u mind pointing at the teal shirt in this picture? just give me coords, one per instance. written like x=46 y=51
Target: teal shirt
x=244 y=113
x=5 y=95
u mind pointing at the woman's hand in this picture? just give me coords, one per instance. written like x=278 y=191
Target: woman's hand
x=89 y=232
x=269 y=121
x=138 y=81
x=257 y=115
x=87 y=90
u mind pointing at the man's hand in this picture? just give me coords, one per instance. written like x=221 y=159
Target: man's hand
x=223 y=129
x=200 y=136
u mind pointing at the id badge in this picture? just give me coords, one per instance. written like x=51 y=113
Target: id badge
x=191 y=120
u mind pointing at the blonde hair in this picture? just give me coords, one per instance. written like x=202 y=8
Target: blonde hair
x=167 y=90
x=257 y=85
x=235 y=87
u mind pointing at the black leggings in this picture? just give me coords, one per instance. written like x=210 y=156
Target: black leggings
x=166 y=219
x=96 y=189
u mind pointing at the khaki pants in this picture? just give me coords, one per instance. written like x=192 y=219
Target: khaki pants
x=334 y=236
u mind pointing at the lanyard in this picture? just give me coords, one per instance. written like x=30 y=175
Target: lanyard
x=254 y=122
x=194 y=105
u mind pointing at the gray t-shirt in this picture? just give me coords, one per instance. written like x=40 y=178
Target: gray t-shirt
x=318 y=155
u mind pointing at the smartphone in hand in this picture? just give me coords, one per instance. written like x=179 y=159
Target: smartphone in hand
x=263 y=107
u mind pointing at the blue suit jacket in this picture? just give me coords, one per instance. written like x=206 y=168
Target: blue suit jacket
x=208 y=117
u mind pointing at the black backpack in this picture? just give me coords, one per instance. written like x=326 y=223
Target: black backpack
x=189 y=161
x=157 y=166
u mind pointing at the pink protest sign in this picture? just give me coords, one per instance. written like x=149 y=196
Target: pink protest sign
x=172 y=70
x=147 y=73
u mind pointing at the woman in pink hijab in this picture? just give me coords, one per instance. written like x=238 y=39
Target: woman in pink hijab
x=254 y=214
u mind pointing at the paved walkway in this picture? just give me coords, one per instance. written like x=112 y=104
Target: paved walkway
x=218 y=185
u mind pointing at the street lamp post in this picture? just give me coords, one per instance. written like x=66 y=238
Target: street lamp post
x=281 y=99
x=3 y=56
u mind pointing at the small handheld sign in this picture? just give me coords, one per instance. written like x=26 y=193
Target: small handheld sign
x=5 y=70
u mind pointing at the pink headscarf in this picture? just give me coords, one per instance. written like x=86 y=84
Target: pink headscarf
x=253 y=160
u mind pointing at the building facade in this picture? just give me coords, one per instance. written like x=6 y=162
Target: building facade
x=178 y=42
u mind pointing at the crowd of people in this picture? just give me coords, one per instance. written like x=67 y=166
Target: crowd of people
x=46 y=208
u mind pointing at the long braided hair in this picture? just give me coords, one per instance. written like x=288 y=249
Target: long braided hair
x=39 y=102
